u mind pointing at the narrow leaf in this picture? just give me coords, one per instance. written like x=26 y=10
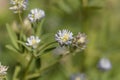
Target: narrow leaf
x=22 y=43
x=17 y=56
x=16 y=72
x=12 y=36
x=11 y=48
x=49 y=49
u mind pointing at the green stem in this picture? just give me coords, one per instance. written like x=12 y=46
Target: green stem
x=6 y=78
x=20 y=18
x=16 y=72
x=34 y=75
x=38 y=73
x=28 y=67
x=85 y=3
x=21 y=21
x=42 y=49
x=39 y=29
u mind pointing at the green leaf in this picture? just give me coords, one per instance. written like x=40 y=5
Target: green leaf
x=99 y=3
x=49 y=49
x=16 y=54
x=16 y=72
x=63 y=6
x=12 y=36
x=74 y=6
x=33 y=75
x=12 y=48
x=22 y=43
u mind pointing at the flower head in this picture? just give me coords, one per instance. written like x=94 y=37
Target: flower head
x=33 y=41
x=3 y=71
x=104 y=64
x=64 y=37
x=78 y=76
x=36 y=15
x=80 y=40
x=18 y=5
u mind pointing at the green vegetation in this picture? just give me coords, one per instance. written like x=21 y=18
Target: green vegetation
x=98 y=19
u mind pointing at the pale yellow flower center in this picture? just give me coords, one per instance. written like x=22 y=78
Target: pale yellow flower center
x=65 y=37
x=33 y=16
x=34 y=42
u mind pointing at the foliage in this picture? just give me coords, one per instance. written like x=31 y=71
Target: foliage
x=99 y=19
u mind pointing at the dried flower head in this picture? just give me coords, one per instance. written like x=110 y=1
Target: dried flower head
x=64 y=37
x=78 y=76
x=26 y=27
x=36 y=15
x=104 y=64
x=3 y=71
x=33 y=41
x=18 y=5
x=80 y=41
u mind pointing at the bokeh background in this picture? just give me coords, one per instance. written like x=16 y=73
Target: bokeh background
x=99 y=19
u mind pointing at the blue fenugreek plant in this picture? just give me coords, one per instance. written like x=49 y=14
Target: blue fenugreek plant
x=27 y=43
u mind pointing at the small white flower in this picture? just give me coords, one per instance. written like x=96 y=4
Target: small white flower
x=64 y=37
x=36 y=15
x=33 y=41
x=3 y=71
x=18 y=5
x=78 y=76
x=104 y=64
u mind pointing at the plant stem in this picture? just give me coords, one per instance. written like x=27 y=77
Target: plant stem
x=20 y=18
x=28 y=67
x=37 y=74
x=21 y=21
x=42 y=49
x=6 y=78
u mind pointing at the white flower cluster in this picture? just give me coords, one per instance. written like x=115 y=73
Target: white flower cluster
x=64 y=37
x=3 y=70
x=18 y=5
x=36 y=15
x=33 y=41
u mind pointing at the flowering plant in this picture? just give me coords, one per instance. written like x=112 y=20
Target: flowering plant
x=28 y=43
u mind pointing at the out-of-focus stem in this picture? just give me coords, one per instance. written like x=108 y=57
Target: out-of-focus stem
x=38 y=73
x=28 y=67
x=42 y=49
x=21 y=21
x=84 y=3
x=20 y=18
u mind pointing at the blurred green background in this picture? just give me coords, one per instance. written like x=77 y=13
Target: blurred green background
x=99 y=19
